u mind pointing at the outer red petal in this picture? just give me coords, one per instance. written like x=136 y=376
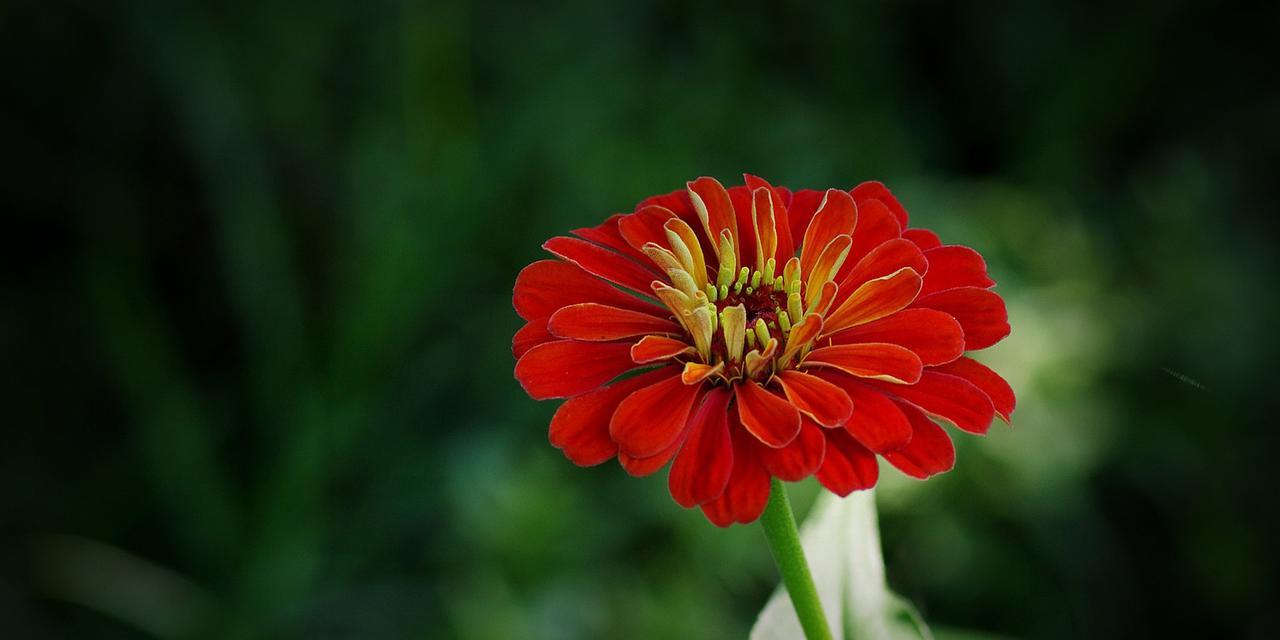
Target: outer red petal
x=602 y=262
x=876 y=190
x=930 y=451
x=988 y=381
x=933 y=335
x=801 y=458
x=771 y=419
x=954 y=266
x=703 y=466
x=566 y=368
x=981 y=313
x=877 y=422
x=747 y=493
x=949 y=397
x=598 y=322
x=874 y=300
x=804 y=203
x=836 y=217
x=924 y=238
x=608 y=234
x=878 y=360
x=848 y=466
x=826 y=403
x=641 y=467
x=532 y=334
x=876 y=226
x=547 y=285
x=580 y=427
x=782 y=221
x=652 y=418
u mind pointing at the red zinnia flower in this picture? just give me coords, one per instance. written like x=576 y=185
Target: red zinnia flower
x=760 y=363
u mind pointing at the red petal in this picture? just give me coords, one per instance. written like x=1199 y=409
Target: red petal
x=547 y=285
x=874 y=300
x=655 y=348
x=801 y=458
x=836 y=216
x=875 y=190
x=645 y=226
x=990 y=382
x=924 y=238
x=602 y=262
x=930 y=451
x=703 y=466
x=741 y=198
x=597 y=322
x=652 y=418
x=883 y=260
x=804 y=203
x=933 y=335
x=954 y=266
x=580 y=427
x=981 y=313
x=876 y=226
x=848 y=466
x=877 y=422
x=782 y=222
x=747 y=493
x=608 y=234
x=641 y=467
x=566 y=368
x=876 y=360
x=949 y=397
x=532 y=334
x=824 y=402
x=720 y=213
x=771 y=419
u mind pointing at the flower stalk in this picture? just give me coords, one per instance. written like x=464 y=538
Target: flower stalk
x=784 y=541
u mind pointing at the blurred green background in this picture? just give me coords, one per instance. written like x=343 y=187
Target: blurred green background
x=255 y=313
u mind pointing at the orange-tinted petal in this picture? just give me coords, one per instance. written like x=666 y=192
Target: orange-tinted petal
x=696 y=372
x=990 y=382
x=949 y=397
x=580 y=427
x=608 y=234
x=826 y=403
x=883 y=260
x=875 y=299
x=650 y=419
x=781 y=220
x=715 y=210
x=566 y=368
x=602 y=262
x=655 y=348
x=703 y=466
x=934 y=336
x=930 y=450
x=954 y=266
x=801 y=458
x=848 y=466
x=547 y=285
x=770 y=418
x=874 y=360
x=981 y=314
x=598 y=322
x=836 y=216
x=644 y=226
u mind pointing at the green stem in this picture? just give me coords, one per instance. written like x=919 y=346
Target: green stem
x=784 y=541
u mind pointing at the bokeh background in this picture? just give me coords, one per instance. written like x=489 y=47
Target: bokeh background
x=255 y=317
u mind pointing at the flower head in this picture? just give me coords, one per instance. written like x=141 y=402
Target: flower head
x=776 y=334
